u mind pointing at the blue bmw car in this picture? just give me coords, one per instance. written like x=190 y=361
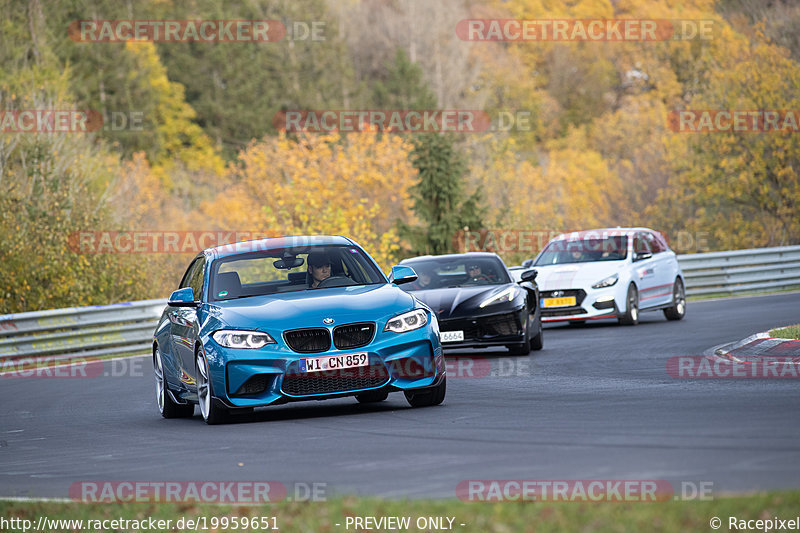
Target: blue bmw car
x=266 y=322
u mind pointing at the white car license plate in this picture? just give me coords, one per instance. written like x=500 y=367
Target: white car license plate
x=451 y=336
x=334 y=362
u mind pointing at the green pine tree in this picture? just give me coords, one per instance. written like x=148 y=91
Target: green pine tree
x=403 y=86
x=440 y=201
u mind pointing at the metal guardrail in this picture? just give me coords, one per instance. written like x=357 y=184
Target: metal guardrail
x=128 y=327
x=738 y=271
x=80 y=331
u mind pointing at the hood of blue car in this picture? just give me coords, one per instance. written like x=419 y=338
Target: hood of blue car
x=309 y=308
x=464 y=301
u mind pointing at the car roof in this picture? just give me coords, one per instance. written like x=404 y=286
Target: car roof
x=608 y=232
x=272 y=243
x=467 y=255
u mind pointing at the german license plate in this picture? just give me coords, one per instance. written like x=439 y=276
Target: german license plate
x=451 y=336
x=334 y=362
x=558 y=302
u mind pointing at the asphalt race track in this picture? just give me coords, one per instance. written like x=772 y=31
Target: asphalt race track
x=596 y=403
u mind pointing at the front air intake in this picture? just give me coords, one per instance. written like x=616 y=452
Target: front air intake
x=308 y=340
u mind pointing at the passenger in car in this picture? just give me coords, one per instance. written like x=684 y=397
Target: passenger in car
x=424 y=279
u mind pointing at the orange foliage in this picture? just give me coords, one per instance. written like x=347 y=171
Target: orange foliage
x=354 y=185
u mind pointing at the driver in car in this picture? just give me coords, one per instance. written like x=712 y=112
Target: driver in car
x=319 y=268
x=475 y=273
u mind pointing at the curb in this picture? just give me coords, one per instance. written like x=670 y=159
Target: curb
x=761 y=345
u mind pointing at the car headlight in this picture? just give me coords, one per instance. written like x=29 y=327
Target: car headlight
x=230 y=338
x=407 y=321
x=607 y=282
x=507 y=295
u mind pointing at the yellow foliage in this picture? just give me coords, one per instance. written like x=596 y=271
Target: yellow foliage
x=572 y=188
x=738 y=188
x=179 y=139
x=355 y=185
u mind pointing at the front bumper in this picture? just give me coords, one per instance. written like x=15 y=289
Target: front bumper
x=590 y=304
x=271 y=375
x=498 y=329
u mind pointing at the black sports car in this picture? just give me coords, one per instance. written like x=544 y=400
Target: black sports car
x=477 y=302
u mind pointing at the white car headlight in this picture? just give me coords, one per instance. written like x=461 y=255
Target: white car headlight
x=407 y=321
x=231 y=338
x=606 y=282
x=506 y=296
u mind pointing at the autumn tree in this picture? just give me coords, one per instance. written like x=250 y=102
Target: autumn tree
x=355 y=185
x=236 y=88
x=52 y=185
x=373 y=31
x=741 y=188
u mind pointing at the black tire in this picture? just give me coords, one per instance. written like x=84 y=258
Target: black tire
x=678 y=309
x=519 y=349
x=537 y=342
x=427 y=397
x=372 y=396
x=631 y=315
x=524 y=347
x=211 y=408
x=166 y=406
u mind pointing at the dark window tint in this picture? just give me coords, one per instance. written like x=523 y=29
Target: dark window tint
x=656 y=244
x=194 y=278
x=585 y=250
x=187 y=276
x=640 y=244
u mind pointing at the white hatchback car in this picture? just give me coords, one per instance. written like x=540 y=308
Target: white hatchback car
x=608 y=273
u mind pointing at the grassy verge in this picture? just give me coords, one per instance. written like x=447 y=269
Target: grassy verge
x=789 y=332
x=509 y=517
x=720 y=295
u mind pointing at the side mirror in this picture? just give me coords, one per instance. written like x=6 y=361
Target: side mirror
x=402 y=274
x=182 y=298
x=641 y=256
x=528 y=275
x=527 y=263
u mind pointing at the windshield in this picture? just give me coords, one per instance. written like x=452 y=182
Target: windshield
x=439 y=273
x=584 y=251
x=290 y=270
